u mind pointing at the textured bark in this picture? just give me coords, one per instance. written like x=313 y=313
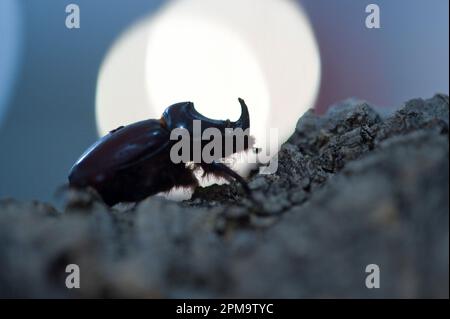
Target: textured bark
x=352 y=188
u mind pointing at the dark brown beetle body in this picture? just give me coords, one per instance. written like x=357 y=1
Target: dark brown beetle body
x=133 y=162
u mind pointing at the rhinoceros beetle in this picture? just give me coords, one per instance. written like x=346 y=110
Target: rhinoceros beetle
x=133 y=162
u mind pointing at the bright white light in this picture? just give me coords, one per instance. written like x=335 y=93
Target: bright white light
x=197 y=60
x=122 y=86
x=211 y=52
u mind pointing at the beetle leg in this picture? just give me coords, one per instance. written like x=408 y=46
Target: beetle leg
x=222 y=169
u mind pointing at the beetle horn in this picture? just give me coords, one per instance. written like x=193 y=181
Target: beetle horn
x=182 y=115
x=244 y=120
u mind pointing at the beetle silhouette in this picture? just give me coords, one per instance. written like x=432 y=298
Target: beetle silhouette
x=133 y=162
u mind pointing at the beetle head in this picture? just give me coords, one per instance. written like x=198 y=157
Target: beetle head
x=182 y=115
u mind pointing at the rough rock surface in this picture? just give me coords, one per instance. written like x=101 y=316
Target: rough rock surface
x=352 y=188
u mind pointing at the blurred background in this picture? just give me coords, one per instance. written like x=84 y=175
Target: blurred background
x=61 y=88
